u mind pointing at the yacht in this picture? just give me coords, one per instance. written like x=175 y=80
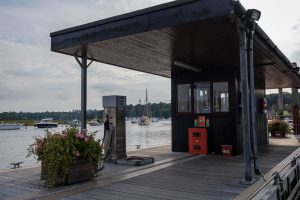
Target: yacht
x=134 y=121
x=154 y=119
x=46 y=123
x=145 y=119
x=95 y=122
x=75 y=123
x=10 y=126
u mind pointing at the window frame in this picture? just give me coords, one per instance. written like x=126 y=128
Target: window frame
x=210 y=105
x=229 y=99
x=191 y=98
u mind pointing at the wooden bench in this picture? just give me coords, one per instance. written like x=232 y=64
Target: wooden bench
x=16 y=164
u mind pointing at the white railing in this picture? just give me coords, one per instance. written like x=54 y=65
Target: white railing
x=284 y=184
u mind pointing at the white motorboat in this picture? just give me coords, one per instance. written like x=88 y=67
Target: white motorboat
x=46 y=123
x=75 y=123
x=95 y=122
x=134 y=121
x=10 y=126
x=154 y=120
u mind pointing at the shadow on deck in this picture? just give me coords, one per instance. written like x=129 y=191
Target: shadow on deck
x=172 y=176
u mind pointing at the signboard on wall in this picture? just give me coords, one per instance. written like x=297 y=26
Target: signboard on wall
x=201 y=121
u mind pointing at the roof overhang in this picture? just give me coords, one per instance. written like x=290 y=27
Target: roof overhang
x=199 y=32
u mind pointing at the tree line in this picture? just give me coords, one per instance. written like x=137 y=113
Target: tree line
x=159 y=110
x=272 y=100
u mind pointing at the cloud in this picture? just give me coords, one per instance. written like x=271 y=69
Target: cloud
x=296 y=27
x=296 y=56
x=32 y=78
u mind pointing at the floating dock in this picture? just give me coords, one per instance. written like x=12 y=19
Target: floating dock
x=172 y=176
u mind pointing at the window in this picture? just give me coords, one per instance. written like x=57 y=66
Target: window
x=184 y=97
x=220 y=97
x=202 y=97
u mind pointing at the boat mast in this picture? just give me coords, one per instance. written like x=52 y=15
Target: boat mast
x=147 y=112
x=141 y=110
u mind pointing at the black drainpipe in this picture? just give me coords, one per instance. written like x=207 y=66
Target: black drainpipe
x=250 y=32
x=245 y=104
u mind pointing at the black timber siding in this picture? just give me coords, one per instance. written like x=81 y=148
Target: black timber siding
x=222 y=128
x=261 y=117
x=225 y=128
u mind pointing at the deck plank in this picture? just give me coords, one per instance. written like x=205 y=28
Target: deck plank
x=173 y=176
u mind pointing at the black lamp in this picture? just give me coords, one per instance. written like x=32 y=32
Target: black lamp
x=252 y=14
x=250 y=17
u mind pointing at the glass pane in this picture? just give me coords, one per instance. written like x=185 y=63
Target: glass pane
x=184 y=97
x=221 y=97
x=202 y=97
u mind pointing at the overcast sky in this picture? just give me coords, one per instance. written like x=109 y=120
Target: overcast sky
x=32 y=78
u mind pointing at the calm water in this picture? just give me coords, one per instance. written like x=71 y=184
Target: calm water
x=14 y=143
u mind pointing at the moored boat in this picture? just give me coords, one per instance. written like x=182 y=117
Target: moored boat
x=145 y=119
x=154 y=120
x=10 y=126
x=134 y=121
x=95 y=122
x=75 y=123
x=46 y=123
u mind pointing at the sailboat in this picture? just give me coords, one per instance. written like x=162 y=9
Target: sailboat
x=145 y=119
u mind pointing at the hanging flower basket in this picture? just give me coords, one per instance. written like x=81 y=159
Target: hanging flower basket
x=68 y=157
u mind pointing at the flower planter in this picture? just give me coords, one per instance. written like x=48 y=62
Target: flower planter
x=80 y=171
x=68 y=157
x=278 y=133
x=278 y=128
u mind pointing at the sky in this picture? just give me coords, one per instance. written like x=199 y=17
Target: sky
x=34 y=79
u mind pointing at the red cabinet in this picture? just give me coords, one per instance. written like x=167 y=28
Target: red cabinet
x=197 y=141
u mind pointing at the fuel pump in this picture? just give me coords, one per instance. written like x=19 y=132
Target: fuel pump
x=114 y=139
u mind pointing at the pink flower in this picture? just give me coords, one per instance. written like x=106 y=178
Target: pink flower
x=84 y=131
x=64 y=136
x=77 y=153
x=78 y=135
x=86 y=139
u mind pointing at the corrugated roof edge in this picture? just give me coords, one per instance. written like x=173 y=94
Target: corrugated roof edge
x=123 y=16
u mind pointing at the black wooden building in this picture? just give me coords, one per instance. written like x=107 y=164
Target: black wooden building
x=196 y=44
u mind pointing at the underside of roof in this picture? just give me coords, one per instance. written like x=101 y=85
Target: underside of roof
x=192 y=31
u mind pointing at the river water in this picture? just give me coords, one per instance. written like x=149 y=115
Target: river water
x=14 y=143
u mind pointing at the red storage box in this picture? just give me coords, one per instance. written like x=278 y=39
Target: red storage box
x=226 y=150
x=197 y=141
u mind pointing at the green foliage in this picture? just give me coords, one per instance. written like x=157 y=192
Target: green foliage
x=278 y=125
x=159 y=110
x=24 y=122
x=58 y=151
x=272 y=100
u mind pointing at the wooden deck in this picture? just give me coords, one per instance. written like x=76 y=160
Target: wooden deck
x=172 y=176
